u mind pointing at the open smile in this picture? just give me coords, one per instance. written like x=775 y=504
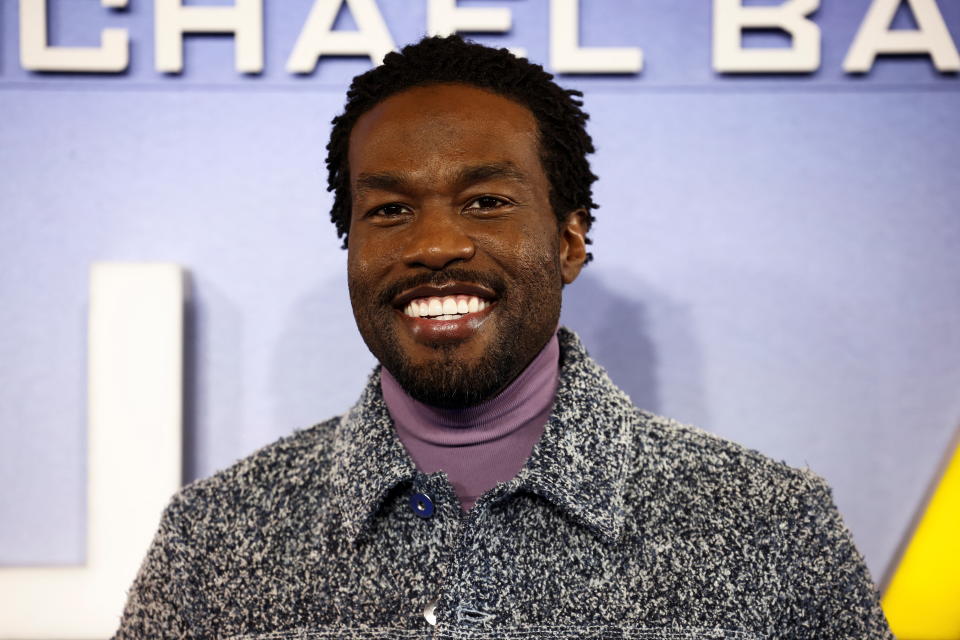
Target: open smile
x=445 y=308
x=445 y=313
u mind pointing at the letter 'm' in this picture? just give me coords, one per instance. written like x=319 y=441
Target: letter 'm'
x=731 y=18
x=36 y=54
x=566 y=54
x=318 y=38
x=876 y=37
x=244 y=19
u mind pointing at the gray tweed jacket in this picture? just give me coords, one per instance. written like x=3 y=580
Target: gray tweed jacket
x=621 y=525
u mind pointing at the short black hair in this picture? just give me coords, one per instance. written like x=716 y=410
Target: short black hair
x=564 y=141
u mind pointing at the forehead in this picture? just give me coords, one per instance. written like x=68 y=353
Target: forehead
x=431 y=129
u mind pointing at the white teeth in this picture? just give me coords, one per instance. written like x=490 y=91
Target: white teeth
x=446 y=308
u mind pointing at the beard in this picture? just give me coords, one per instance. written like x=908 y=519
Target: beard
x=450 y=382
x=527 y=314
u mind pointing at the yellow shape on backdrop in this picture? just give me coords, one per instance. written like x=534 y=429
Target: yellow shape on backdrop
x=923 y=599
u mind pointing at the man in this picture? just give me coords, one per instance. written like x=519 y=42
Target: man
x=491 y=482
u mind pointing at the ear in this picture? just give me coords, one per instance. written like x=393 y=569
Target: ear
x=573 y=244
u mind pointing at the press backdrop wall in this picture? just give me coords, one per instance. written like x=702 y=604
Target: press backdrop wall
x=777 y=257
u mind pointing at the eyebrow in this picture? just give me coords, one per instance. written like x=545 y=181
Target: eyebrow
x=383 y=181
x=481 y=172
x=389 y=181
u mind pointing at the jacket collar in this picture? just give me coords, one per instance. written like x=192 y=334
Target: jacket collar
x=579 y=464
x=371 y=460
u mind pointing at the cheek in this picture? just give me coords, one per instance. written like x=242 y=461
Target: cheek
x=371 y=249
x=369 y=266
x=529 y=255
x=538 y=251
x=358 y=274
x=363 y=252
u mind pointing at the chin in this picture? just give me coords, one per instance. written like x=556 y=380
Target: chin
x=449 y=374
x=460 y=365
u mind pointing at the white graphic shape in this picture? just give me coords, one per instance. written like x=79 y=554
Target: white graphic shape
x=135 y=378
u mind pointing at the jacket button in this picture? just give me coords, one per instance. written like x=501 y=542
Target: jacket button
x=430 y=612
x=421 y=504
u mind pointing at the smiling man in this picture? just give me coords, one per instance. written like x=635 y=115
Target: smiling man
x=456 y=256
x=491 y=482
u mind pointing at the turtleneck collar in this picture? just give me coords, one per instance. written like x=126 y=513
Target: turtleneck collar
x=483 y=445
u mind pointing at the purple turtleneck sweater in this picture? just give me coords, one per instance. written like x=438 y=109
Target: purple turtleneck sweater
x=484 y=445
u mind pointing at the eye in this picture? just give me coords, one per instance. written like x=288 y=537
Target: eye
x=486 y=203
x=389 y=211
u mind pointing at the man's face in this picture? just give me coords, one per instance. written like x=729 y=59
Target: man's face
x=456 y=260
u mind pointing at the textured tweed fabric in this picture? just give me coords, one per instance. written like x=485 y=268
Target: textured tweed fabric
x=621 y=525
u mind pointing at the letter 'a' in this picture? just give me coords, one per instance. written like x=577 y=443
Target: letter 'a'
x=876 y=37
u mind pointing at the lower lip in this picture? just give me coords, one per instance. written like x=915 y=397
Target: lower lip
x=432 y=331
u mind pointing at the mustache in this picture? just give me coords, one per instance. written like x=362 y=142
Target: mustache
x=440 y=278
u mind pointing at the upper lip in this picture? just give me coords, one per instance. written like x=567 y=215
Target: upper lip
x=439 y=291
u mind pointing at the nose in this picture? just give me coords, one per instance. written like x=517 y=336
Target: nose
x=437 y=239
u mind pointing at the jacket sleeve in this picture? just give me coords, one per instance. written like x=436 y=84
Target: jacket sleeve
x=164 y=595
x=828 y=589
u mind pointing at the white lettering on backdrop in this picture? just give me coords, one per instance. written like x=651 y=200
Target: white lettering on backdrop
x=318 y=38
x=445 y=18
x=113 y=54
x=244 y=20
x=566 y=54
x=731 y=18
x=876 y=37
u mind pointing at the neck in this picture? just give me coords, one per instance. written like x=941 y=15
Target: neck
x=481 y=445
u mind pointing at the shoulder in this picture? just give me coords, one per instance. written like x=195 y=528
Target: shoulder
x=680 y=447
x=704 y=501
x=683 y=474
x=263 y=483
x=672 y=469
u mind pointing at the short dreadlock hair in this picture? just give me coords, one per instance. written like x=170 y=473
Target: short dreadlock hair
x=564 y=141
